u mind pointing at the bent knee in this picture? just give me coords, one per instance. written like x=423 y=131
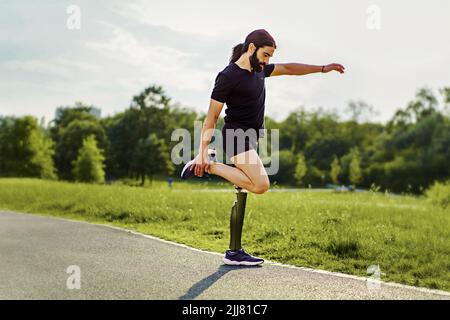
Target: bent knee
x=261 y=188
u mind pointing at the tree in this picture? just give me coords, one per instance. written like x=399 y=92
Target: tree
x=335 y=170
x=150 y=112
x=68 y=130
x=88 y=167
x=445 y=94
x=286 y=168
x=320 y=153
x=425 y=104
x=300 y=168
x=70 y=141
x=314 y=176
x=42 y=160
x=355 y=174
x=151 y=156
x=25 y=151
x=360 y=111
x=294 y=131
x=65 y=115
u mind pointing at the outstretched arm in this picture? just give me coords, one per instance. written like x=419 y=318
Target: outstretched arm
x=298 y=69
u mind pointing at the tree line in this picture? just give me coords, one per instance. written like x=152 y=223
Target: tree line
x=407 y=154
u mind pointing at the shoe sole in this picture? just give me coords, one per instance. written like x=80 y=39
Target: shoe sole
x=186 y=167
x=241 y=263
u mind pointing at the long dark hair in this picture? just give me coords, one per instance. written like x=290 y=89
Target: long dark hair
x=260 y=38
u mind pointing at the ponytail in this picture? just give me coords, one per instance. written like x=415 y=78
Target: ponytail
x=259 y=38
x=237 y=52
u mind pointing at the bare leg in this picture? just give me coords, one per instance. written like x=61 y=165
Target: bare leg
x=251 y=165
x=248 y=174
x=232 y=174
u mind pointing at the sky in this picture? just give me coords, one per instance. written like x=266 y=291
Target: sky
x=390 y=49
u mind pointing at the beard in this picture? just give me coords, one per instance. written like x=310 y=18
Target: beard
x=255 y=63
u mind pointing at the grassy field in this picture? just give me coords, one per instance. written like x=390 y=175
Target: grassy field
x=407 y=237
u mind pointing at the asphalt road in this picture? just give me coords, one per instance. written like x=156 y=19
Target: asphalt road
x=36 y=254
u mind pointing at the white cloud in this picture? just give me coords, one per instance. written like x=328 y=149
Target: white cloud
x=168 y=65
x=61 y=67
x=182 y=16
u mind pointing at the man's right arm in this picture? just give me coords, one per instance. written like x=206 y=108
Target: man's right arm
x=215 y=108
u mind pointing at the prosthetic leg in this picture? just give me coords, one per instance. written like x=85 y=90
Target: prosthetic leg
x=237 y=219
x=237 y=255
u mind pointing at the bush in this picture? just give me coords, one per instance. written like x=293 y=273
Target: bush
x=89 y=165
x=439 y=194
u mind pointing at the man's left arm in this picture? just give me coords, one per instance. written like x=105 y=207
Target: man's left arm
x=299 y=69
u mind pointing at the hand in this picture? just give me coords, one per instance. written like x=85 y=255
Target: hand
x=201 y=163
x=334 y=66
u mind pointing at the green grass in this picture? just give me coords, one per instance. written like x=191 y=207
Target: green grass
x=407 y=237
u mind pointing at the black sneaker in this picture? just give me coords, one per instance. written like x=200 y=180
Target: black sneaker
x=241 y=258
x=187 y=173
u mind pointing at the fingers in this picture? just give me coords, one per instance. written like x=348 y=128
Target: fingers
x=200 y=165
x=339 y=68
x=199 y=169
x=336 y=67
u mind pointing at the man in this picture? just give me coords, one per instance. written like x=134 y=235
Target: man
x=241 y=86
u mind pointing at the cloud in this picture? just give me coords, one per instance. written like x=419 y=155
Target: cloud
x=182 y=16
x=149 y=61
x=60 y=67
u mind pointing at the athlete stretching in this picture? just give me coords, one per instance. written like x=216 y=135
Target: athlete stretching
x=241 y=86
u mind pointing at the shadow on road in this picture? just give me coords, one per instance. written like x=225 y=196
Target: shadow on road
x=207 y=282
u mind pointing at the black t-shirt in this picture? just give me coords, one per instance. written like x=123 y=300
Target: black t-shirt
x=244 y=94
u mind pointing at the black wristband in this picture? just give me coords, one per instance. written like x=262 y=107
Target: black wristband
x=322 y=68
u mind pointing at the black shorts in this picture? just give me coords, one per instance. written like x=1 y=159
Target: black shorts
x=244 y=140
